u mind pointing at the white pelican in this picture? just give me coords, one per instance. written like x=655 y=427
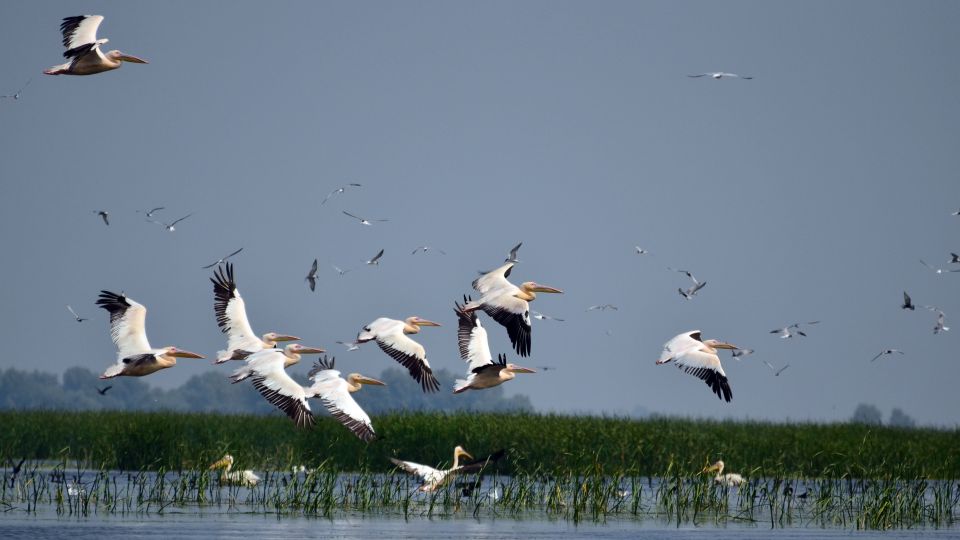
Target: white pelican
x=719 y=75
x=268 y=369
x=363 y=221
x=728 y=480
x=508 y=304
x=238 y=478
x=83 y=49
x=391 y=336
x=886 y=352
x=231 y=314
x=337 y=191
x=434 y=478
x=135 y=357
x=74 y=313
x=311 y=278
x=171 y=227
x=699 y=358
x=907 y=303
x=335 y=392
x=937 y=270
x=221 y=260
x=16 y=95
x=512 y=256
x=482 y=371
x=104 y=215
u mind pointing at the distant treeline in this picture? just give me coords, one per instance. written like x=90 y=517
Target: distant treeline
x=212 y=392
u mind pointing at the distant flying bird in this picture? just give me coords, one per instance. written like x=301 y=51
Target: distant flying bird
x=135 y=357
x=169 y=226
x=375 y=261
x=482 y=370
x=334 y=392
x=337 y=191
x=957 y=213
x=340 y=270
x=937 y=270
x=425 y=249
x=364 y=221
x=954 y=258
x=104 y=215
x=391 y=336
x=697 y=285
x=350 y=345
x=149 y=213
x=83 y=49
x=103 y=391
x=512 y=256
x=509 y=304
x=907 y=303
x=602 y=307
x=786 y=333
x=74 y=313
x=231 y=313
x=270 y=378
x=540 y=316
x=640 y=251
x=311 y=278
x=738 y=353
x=222 y=259
x=16 y=95
x=939 y=327
x=699 y=358
x=776 y=372
x=888 y=351
x=719 y=75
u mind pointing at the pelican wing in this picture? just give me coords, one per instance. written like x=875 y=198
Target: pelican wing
x=679 y=345
x=127 y=323
x=494 y=279
x=428 y=474
x=335 y=394
x=514 y=315
x=706 y=366
x=231 y=312
x=472 y=339
x=410 y=354
x=80 y=34
x=274 y=384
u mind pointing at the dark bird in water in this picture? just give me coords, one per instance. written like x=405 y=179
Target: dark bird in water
x=311 y=278
x=104 y=215
x=512 y=257
x=907 y=303
x=222 y=260
x=103 y=391
x=74 y=313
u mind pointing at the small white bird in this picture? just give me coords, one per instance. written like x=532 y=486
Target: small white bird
x=350 y=345
x=540 y=316
x=776 y=372
x=169 y=226
x=337 y=191
x=222 y=259
x=74 y=313
x=375 y=261
x=697 y=285
x=512 y=256
x=425 y=249
x=937 y=270
x=717 y=75
x=340 y=270
x=149 y=213
x=640 y=251
x=738 y=353
x=907 y=303
x=939 y=327
x=885 y=352
x=364 y=221
x=785 y=332
x=602 y=307
x=16 y=95
x=954 y=258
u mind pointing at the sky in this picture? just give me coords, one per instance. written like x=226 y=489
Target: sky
x=807 y=193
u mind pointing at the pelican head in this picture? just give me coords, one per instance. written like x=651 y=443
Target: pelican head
x=513 y=368
x=459 y=451
x=271 y=338
x=716 y=467
x=533 y=286
x=121 y=57
x=226 y=462
x=296 y=348
x=716 y=344
x=417 y=322
x=356 y=379
x=180 y=353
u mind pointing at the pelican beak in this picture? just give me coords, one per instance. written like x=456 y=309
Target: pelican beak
x=521 y=369
x=546 y=289
x=218 y=464
x=134 y=59
x=465 y=453
x=284 y=337
x=724 y=345
x=362 y=379
x=424 y=322
x=311 y=350
x=185 y=354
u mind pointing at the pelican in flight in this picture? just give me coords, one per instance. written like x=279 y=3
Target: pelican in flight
x=237 y=478
x=83 y=49
x=937 y=270
x=135 y=356
x=391 y=336
x=508 y=304
x=311 y=278
x=221 y=260
x=720 y=75
x=435 y=478
x=728 y=480
x=335 y=392
x=699 y=358
x=337 y=191
x=74 y=313
x=375 y=261
x=697 y=285
x=270 y=378
x=104 y=215
x=907 y=303
x=231 y=314
x=886 y=352
x=482 y=371
x=512 y=256
x=364 y=221
x=169 y=226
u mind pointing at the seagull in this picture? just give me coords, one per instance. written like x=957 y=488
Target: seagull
x=512 y=257
x=104 y=215
x=720 y=74
x=103 y=391
x=339 y=270
x=312 y=276
x=907 y=303
x=957 y=213
x=603 y=307
x=697 y=285
x=776 y=372
x=350 y=345
x=937 y=270
x=939 y=327
x=16 y=95
x=75 y=316
x=888 y=351
x=362 y=220
x=954 y=258
x=376 y=259
x=540 y=316
x=640 y=250
x=149 y=213
x=786 y=333
x=222 y=260
x=337 y=191
x=170 y=226
x=428 y=248
x=546 y=368
x=738 y=353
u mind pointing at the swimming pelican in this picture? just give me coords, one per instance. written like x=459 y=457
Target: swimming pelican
x=268 y=369
x=435 y=478
x=135 y=357
x=311 y=278
x=728 y=480
x=231 y=314
x=391 y=336
x=83 y=48
x=885 y=352
x=237 y=478
x=482 y=371
x=719 y=75
x=907 y=303
x=508 y=304
x=699 y=358
x=335 y=392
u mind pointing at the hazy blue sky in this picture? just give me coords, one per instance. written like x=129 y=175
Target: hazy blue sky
x=807 y=193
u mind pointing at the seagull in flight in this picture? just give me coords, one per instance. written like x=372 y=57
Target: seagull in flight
x=428 y=248
x=786 y=333
x=603 y=307
x=16 y=95
x=376 y=259
x=957 y=213
x=907 y=303
x=697 y=285
x=540 y=316
x=340 y=270
x=350 y=345
x=337 y=191
x=362 y=220
x=776 y=372
x=954 y=258
x=104 y=215
x=640 y=251
x=74 y=313
x=937 y=270
x=149 y=213
x=939 y=327
x=222 y=259
x=738 y=353
x=720 y=74
x=888 y=351
x=169 y=226
x=512 y=257
x=311 y=278
x=103 y=391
